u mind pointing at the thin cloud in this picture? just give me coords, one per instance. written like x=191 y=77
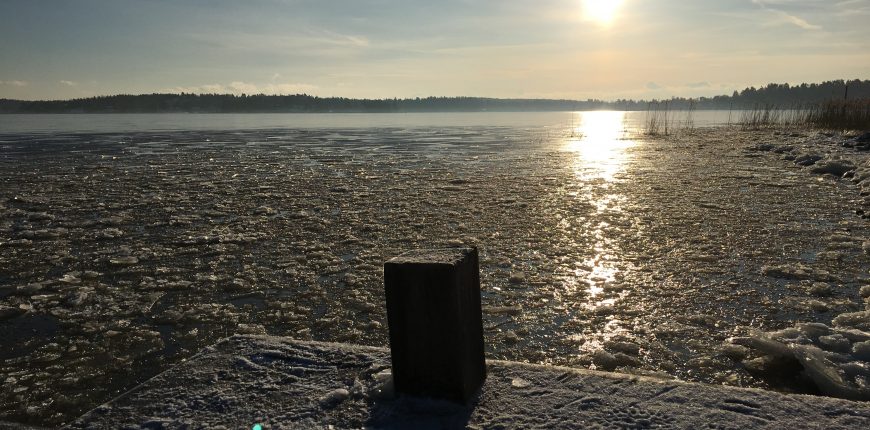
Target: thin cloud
x=333 y=38
x=240 y=87
x=796 y=20
x=14 y=83
x=783 y=17
x=857 y=8
x=243 y=88
x=312 y=41
x=690 y=89
x=69 y=83
x=294 y=88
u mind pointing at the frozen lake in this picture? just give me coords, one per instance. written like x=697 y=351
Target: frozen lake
x=128 y=242
x=119 y=123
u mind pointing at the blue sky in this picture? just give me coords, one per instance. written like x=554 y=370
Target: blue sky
x=378 y=48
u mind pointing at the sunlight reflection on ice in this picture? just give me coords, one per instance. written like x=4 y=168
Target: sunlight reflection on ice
x=600 y=142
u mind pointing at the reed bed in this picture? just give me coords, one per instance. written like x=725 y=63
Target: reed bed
x=656 y=121
x=841 y=115
x=661 y=119
x=830 y=115
x=853 y=114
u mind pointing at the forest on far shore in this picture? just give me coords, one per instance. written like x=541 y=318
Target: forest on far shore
x=777 y=95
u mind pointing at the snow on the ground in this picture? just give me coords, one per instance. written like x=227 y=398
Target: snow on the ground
x=281 y=383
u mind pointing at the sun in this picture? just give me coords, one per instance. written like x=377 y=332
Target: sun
x=601 y=11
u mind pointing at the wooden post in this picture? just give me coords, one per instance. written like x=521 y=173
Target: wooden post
x=436 y=328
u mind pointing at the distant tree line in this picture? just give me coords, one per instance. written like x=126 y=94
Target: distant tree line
x=780 y=95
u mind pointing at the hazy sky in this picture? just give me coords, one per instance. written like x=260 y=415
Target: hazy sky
x=383 y=48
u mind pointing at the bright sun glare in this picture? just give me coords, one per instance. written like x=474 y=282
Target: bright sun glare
x=601 y=147
x=601 y=11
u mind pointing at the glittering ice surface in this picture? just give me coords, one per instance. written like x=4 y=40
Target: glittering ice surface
x=124 y=253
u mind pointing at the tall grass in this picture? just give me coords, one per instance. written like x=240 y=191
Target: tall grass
x=662 y=120
x=841 y=115
x=656 y=121
x=759 y=116
x=770 y=115
x=690 y=114
x=832 y=115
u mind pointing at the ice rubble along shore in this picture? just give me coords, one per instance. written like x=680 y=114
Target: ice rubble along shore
x=835 y=358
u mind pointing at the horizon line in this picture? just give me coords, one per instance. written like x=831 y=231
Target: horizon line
x=242 y=94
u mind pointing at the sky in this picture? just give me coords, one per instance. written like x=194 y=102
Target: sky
x=573 y=49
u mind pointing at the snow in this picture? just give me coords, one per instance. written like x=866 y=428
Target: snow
x=447 y=256
x=283 y=383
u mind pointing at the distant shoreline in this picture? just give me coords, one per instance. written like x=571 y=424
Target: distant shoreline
x=353 y=112
x=777 y=96
x=735 y=109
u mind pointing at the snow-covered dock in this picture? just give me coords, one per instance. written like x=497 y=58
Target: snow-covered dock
x=273 y=382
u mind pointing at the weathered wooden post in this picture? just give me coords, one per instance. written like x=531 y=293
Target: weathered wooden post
x=436 y=328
